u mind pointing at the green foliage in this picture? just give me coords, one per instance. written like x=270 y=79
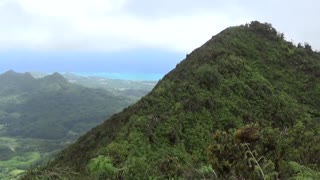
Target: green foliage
x=171 y=167
x=21 y=153
x=208 y=172
x=118 y=152
x=219 y=153
x=102 y=167
x=302 y=172
x=50 y=173
x=235 y=159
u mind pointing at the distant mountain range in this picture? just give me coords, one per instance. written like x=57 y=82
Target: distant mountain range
x=106 y=75
x=119 y=84
x=51 y=107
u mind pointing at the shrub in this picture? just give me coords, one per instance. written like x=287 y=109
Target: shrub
x=101 y=167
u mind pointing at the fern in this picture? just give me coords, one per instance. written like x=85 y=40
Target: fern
x=207 y=171
x=303 y=172
x=260 y=164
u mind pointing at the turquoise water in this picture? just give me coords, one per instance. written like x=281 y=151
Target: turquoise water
x=124 y=76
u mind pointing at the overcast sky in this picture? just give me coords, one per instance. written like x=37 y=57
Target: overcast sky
x=171 y=28
x=175 y=25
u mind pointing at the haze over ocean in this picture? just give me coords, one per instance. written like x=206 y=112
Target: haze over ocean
x=142 y=64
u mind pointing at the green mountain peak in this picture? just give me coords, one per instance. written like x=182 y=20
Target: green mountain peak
x=55 y=77
x=13 y=74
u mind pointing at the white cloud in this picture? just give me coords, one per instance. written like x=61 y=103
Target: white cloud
x=107 y=25
x=182 y=33
x=70 y=8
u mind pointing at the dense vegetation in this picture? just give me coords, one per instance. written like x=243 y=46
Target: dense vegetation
x=242 y=106
x=40 y=116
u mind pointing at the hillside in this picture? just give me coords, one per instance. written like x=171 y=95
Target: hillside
x=242 y=106
x=51 y=107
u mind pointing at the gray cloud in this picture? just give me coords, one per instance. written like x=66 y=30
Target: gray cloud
x=178 y=25
x=297 y=19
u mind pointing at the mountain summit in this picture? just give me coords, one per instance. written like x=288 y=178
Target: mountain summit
x=14 y=77
x=242 y=106
x=55 y=77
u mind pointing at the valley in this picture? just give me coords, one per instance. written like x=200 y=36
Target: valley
x=40 y=116
x=19 y=154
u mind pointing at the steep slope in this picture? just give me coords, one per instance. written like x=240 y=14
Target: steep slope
x=245 y=94
x=50 y=107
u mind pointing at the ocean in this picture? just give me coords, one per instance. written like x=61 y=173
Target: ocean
x=123 y=76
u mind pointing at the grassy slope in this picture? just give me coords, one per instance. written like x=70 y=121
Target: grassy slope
x=244 y=75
